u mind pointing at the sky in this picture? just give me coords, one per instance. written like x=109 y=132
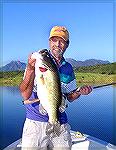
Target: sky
x=26 y=27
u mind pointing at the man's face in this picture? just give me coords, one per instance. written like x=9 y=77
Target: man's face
x=57 y=46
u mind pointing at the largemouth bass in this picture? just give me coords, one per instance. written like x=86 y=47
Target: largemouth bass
x=48 y=87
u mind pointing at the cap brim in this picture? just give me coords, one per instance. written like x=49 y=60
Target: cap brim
x=55 y=35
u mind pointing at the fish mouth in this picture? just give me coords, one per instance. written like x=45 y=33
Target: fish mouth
x=42 y=69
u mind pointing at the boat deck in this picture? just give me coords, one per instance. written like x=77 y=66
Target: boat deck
x=79 y=142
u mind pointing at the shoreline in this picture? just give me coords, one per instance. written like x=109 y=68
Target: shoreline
x=92 y=79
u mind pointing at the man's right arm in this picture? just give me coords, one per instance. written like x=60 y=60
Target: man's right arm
x=27 y=84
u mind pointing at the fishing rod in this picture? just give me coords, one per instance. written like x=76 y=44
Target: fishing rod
x=95 y=87
x=78 y=89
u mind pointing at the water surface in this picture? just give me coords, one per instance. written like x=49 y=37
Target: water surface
x=93 y=114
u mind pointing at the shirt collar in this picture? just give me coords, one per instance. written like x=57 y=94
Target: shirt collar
x=63 y=61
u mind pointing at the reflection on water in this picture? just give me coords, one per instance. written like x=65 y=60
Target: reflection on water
x=13 y=114
x=11 y=89
x=93 y=114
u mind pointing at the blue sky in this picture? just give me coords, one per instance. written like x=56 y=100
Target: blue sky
x=26 y=28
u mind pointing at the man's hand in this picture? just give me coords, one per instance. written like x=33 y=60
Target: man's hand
x=31 y=63
x=85 y=90
x=26 y=85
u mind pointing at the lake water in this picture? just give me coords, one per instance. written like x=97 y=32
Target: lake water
x=94 y=114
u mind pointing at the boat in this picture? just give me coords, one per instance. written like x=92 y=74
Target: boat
x=80 y=141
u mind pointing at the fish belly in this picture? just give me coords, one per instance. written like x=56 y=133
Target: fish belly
x=50 y=95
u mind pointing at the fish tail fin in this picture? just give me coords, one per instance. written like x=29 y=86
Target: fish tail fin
x=53 y=129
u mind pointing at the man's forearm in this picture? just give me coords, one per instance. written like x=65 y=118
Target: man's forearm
x=84 y=90
x=26 y=86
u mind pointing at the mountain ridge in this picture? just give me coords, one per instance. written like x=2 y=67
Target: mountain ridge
x=87 y=62
x=13 y=66
x=20 y=66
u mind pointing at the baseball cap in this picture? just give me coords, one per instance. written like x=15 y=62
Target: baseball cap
x=60 y=31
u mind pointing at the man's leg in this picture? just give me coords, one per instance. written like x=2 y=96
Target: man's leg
x=34 y=136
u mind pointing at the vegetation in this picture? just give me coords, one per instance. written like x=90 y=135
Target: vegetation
x=101 y=69
x=95 y=75
x=94 y=78
x=11 y=74
x=12 y=78
x=92 y=75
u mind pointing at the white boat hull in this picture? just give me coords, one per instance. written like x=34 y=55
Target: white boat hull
x=79 y=142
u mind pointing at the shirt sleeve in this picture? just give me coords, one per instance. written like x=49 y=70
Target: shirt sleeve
x=68 y=80
x=71 y=86
x=33 y=95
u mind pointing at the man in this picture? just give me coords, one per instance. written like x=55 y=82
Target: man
x=34 y=135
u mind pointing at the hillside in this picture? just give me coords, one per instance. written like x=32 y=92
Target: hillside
x=102 y=69
x=11 y=74
x=99 y=69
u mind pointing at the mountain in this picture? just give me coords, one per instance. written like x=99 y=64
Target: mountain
x=88 y=62
x=19 y=66
x=13 y=66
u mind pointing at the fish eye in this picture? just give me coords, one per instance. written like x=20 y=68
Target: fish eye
x=44 y=51
x=47 y=55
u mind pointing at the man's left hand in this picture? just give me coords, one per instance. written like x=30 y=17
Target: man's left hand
x=85 y=90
